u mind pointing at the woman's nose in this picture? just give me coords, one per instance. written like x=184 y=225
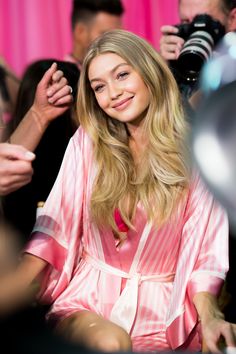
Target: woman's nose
x=115 y=91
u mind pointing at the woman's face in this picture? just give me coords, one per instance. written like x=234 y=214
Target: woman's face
x=119 y=89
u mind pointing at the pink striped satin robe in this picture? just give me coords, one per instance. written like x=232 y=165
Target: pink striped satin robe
x=148 y=284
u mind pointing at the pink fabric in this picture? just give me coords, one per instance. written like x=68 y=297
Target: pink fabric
x=192 y=245
x=145 y=17
x=119 y=222
x=31 y=30
x=54 y=253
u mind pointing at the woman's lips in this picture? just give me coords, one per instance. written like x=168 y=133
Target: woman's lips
x=122 y=104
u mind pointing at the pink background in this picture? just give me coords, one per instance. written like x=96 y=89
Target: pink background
x=35 y=29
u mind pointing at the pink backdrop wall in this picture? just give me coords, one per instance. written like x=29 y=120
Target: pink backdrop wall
x=34 y=29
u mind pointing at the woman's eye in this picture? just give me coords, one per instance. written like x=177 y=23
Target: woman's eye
x=98 y=88
x=122 y=75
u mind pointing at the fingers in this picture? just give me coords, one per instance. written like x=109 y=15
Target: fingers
x=229 y=333
x=56 y=77
x=59 y=93
x=15 y=167
x=170 y=43
x=213 y=348
x=167 y=29
x=170 y=52
x=221 y=330
x=14 y=174
x=57 y=86
x=170 y=47
x=53 y=95
x=11 y=186
x=211 y=343
x=47 y=77
x=13 y=152
x=173 y=40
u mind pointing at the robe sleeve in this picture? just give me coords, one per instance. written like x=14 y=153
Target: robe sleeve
x=202 y=263
x=57 y=232
x=211 y=265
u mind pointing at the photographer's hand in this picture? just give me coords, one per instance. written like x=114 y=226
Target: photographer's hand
x=170 y=43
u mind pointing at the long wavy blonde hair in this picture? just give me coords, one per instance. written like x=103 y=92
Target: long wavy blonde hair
x=163 y=177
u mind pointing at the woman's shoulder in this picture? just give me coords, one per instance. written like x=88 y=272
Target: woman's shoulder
x=199 y=190
x=196 y=178
x=81 y=139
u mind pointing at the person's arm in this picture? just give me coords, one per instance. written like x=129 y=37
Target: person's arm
x=52 y=98
x=212 y=322
x=20 y=287
x=15 y=167
x=206 y=227
x=170 y=43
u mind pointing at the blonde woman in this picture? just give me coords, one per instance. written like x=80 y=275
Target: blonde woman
x=130 y=248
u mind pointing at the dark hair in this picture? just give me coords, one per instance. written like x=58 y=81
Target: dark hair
x=84 y=10
x=30 y=79
x=228 y=5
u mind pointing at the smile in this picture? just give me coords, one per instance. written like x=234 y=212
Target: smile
x=122 y=104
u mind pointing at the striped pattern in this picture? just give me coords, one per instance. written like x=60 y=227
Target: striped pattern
x=193 y=245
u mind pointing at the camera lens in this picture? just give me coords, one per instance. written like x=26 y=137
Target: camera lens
x=196 y=50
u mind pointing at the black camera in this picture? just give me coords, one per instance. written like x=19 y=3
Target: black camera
x=201 y=36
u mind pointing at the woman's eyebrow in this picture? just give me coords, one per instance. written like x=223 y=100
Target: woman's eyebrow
x=112 y=71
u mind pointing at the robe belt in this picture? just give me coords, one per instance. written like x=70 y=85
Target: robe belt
x=125 y=308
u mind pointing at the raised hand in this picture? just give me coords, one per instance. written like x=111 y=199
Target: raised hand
x=53 y=95
x=170 y=43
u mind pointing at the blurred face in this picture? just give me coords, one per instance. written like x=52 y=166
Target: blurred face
x=102 y=23
x=119 y=89
x=188 y=9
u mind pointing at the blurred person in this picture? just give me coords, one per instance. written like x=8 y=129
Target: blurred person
x=9 y=85
x=89 y=19
x=130 y=249
x=49 y=151
x=15 y=166
x=14 y=172
x=170 y=47
x=22 y=328
x=22 y=325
